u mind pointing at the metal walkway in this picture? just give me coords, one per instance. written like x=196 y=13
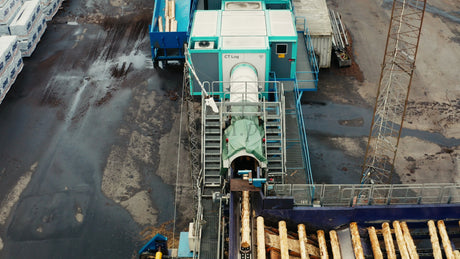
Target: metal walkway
x=305 y=74
x=273 y=116
x=295 y=163
x=210 y=230
x=211 y=151
x=211 y=143
x=306 y=64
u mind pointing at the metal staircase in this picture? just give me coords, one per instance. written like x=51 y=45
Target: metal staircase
x=211 y=157
x=212 y=149
x=275 y=140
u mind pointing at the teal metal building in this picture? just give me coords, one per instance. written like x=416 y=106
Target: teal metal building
x=243 y=33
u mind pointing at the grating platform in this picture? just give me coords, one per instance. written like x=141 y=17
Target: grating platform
x=294 y=162
x=305 y=75
x=209 y=236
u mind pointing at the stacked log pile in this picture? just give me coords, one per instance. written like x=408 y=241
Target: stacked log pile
x=392 y=240
x=169 y=22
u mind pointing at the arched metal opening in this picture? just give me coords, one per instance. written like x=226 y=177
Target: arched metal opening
x=244 y=163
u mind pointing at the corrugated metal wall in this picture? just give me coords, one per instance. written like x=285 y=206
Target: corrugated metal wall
x=323 y=46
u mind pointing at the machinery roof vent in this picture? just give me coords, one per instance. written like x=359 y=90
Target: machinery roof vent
x=240 y=6
x=204 y=44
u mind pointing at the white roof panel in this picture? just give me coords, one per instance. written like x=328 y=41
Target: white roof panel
x=244 y=43
x=281 y=23
x=205 y=24
x=241 y=23
x=316 y=14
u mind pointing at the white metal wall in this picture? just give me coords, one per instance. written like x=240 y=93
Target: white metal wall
x=323 y=46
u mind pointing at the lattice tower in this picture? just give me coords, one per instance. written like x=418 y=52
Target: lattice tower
x=194 y=134
x=393 y=91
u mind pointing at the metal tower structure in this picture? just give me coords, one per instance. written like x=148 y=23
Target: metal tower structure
x=194 y=135
x=393 y=91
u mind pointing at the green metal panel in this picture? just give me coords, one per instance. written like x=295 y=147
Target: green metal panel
x=280 y=2
x=205 y=64
x=294 y=63
x=280 y=64
x=244 y=133
x=220 y=73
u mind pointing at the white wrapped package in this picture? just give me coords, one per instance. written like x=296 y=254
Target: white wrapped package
x=4 y=85
x=45 y=3
x=8 y=49
x=26 y=19
x=28 y=45
x=4 y=29
x=8 y=78
x=9 y=10
x=51 y=10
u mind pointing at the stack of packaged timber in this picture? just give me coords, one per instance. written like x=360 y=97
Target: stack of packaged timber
x=50 y=8
x=29 y=24
x=170 y=23
x=8 y=10
x=10 y=63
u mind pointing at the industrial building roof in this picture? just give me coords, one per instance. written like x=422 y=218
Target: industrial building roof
x=237 y=23
x=316 y=14
x=281 y=23
x=205 y=24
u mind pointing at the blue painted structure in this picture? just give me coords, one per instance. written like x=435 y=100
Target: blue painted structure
x=170 y=45
x=184 y=248
x=328 y=218
x=277 y=208
x=157 y=243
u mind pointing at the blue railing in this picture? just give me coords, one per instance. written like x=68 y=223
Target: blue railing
x=274 y=86
x=298 y=95
x=303 y=137
x=310 y=53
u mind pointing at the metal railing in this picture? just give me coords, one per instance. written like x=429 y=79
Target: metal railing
x=276 y=86
x=245 y=107
x=347 y=195
x=302 y=21
x=303 y=138
x=198 y=220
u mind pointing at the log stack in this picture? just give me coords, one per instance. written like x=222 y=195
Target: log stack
x=169 y=22
x=392 y=240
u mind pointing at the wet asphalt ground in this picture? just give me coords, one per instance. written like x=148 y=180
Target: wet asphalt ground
x=57 y=125
x=64 y=114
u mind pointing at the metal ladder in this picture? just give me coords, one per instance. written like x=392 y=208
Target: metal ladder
x=211 y=164
x=275 y=141
x=212 y=149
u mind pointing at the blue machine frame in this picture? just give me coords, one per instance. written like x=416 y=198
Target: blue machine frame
x=170 y=45
x=157 y=243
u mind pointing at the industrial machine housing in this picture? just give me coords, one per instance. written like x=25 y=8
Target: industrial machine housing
x=252 y=59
